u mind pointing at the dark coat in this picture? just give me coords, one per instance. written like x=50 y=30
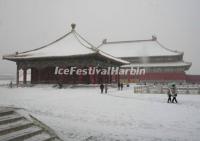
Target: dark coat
x=101 y=86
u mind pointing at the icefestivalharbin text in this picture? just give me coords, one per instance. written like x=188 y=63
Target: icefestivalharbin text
x=102 y=71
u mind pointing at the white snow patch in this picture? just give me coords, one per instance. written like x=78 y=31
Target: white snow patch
x=171 y=64
x=85 y=114
x=137 y=49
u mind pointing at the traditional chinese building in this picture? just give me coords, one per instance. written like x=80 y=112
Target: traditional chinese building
x=71 y=50
x=161 y=64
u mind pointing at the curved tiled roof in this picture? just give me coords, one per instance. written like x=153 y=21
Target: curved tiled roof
x=68 y=45
x=137 y=48
x=71 y=44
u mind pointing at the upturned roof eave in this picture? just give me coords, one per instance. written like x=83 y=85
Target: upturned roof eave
x=18 y=59
x=15 y=59
x=119 y=60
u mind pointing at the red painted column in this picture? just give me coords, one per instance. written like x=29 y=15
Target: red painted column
x=80 y=79
x=129 y=77
x=24 y=75
x=95 y=78
x=118 y=78
x=17 y=76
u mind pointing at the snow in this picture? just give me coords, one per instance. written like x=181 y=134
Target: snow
x=172 y=64
x=113 y=58
x=4 y=82
x=13 y=135
x=137 y=49
x=85 y=114
x=72 y=44
x=68 y=45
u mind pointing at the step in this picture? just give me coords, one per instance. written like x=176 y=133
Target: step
x=21 y=134
x=4 y=112
x=10 y=118
x=14 y=126
x=40 y=137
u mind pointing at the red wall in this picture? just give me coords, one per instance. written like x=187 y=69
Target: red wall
x=163 y=76
x=193 y=78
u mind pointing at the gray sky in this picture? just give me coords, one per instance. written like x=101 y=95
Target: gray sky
x=29 y=24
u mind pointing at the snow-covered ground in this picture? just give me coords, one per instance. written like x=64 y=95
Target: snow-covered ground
x=83 y=114
x=4 y=82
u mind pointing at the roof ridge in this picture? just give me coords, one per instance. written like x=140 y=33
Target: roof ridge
x=154 y=39
x=62 y=37
x=48 y=43
x=161 y=45
x=76 y=35
x=127 y=41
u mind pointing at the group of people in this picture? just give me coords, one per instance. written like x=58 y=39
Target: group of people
x=172 y=94
x=104 y=87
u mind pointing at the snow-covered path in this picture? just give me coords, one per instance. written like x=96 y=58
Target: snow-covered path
x=84 y=114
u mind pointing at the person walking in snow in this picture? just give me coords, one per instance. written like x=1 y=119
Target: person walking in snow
x=101 y=87
x=60 y=85
x=106 y=88
x=11 y=84
x=121 y=85
x=174 y=93
x=169 y=93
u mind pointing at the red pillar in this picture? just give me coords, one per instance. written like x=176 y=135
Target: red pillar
x=95 y=78
x=24 y=75
x=129 y=77
x=110 y=77
x=118 y=78
x=91 y=78
x=17 y=76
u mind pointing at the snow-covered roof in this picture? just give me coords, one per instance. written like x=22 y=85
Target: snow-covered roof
x=113 y=58
x=137 y=48
x=168 y=64
x=71 y=44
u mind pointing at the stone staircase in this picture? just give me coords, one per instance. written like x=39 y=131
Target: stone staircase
x=16 y=127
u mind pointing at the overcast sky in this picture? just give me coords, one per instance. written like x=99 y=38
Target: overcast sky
x=29 y=24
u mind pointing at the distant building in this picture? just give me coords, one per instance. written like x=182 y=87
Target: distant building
x=161 y=64
x=193 y=79
x=72 y=50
